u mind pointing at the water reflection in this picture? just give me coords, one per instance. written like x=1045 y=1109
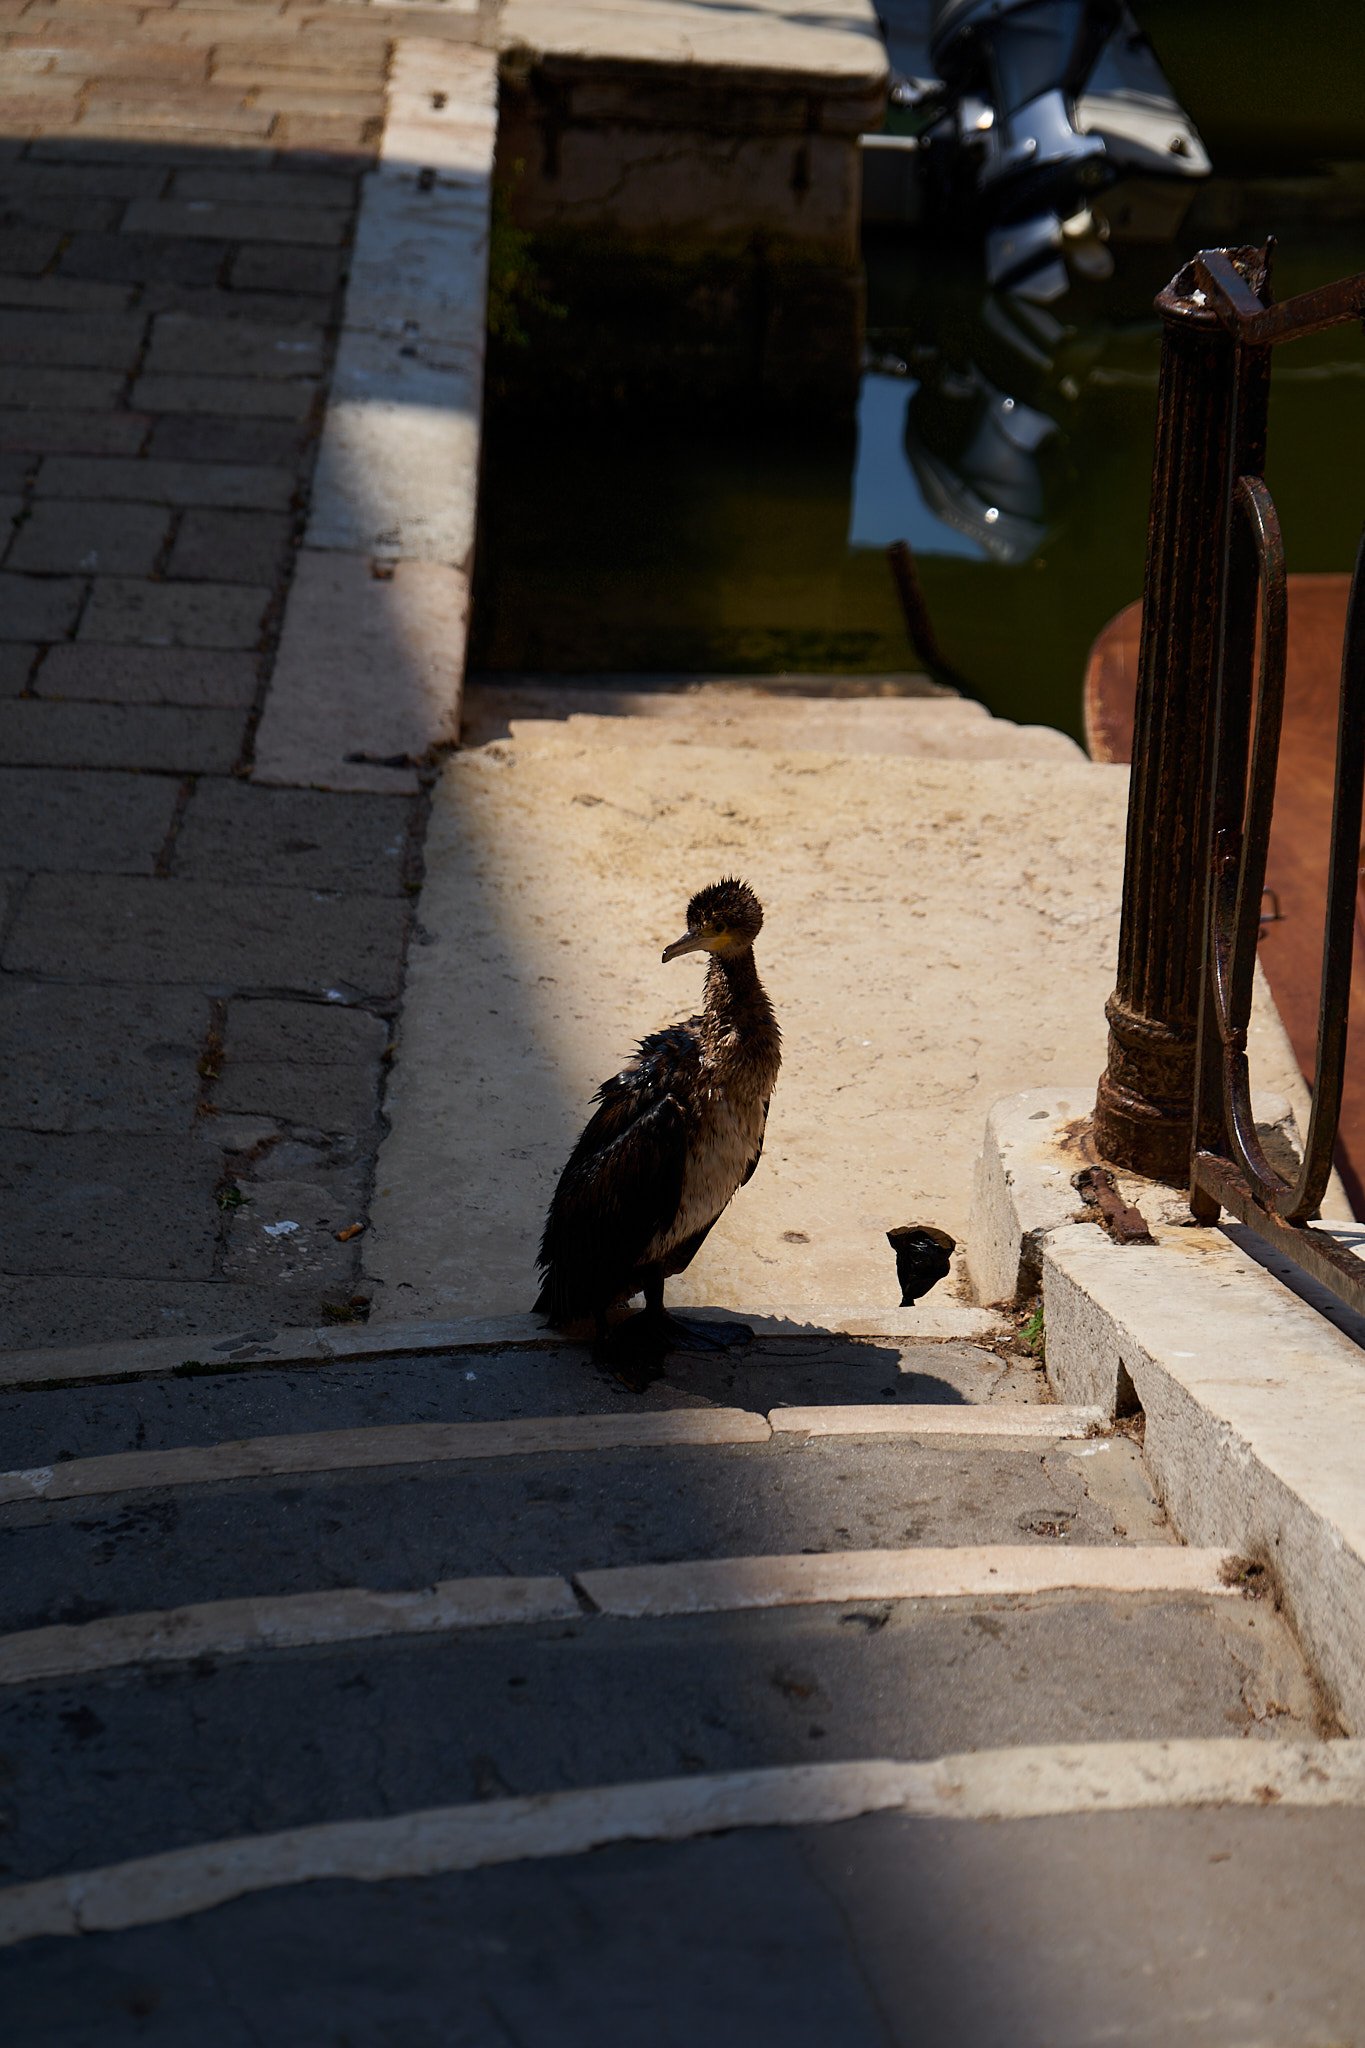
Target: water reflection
x=662 y=544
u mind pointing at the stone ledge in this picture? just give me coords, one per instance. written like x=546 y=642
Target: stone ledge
x=1254 y=1402
x=338 y=1344
x=833 y=47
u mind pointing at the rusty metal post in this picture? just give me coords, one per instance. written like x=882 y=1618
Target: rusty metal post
x=1211 y=410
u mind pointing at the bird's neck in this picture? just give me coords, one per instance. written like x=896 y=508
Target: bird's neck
x=736 y=1000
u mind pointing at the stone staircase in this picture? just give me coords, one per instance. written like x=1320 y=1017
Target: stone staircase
x=841 y=1690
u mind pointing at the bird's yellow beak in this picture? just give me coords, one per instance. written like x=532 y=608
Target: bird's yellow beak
x=690 y=942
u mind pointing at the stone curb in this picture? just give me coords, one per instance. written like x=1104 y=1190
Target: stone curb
x=1254 y=1402
x=371 y=663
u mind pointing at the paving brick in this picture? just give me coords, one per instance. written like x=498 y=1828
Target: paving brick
x=23 y=385
x=85 y=215
x=185 y=437
x=27 y=250
x=348 y=52
x=118 y=142
x=70 y=338
x=316 y=226
x=15 y=471
x=209 y=935
x=279 y=308
x=114 y=181
x=307 y=838
x=330 y=1098
x=138 y=61
x=60 y=822
x=39 y=609
x=222 y=397
x=147 y=675
x=330 y=102
x=127 y=611
x=257 y=268
x=62 y=533
x=242 y=485
x=15 y=663
x=77 y=1059
x=49 y=733
x=309 y=1034
x=72 y=433
x=138 y=259
x=181 y=345
x=232 y=547
x=85 y=1203
x=64 y=295
x=341 y=136
x=158 y=113
x=254 y=188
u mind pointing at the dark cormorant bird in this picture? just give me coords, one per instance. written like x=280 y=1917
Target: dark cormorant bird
x=678 y=1130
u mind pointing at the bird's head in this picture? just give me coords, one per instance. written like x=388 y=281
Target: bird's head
x=724 y=919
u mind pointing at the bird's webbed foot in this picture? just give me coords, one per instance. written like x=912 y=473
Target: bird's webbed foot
x=636 y=1349
x=685 y=1334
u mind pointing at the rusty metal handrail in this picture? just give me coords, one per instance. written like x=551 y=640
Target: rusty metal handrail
x=1175 y=1099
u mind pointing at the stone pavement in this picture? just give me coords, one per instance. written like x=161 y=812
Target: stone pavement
x=198 y=976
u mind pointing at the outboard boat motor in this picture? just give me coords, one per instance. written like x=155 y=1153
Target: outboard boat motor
x=1038 y=109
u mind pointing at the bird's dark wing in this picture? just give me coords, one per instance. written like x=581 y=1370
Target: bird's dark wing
x=624 y=1178
x=752 y=1167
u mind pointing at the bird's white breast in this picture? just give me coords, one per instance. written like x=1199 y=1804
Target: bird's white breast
x=721 y=1145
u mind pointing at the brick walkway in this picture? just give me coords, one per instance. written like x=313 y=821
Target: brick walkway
x=197 y=975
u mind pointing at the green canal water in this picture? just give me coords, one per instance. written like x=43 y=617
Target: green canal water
x=638 y=543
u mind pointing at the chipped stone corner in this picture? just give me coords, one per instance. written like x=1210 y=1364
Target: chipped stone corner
x=1021 y=1190
x=1252 y=1398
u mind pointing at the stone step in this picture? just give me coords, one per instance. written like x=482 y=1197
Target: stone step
x=296 y=1737
x=1098 y=1915
x=528 y=1515
x=50 y=1426
x=729 y=714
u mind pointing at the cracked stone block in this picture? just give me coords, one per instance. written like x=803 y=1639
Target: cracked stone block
x=313 y=1034
x=321 y=1098
x=208 y=935
x=91 y=1203
x=92 y=1059
x=83 y=1310
x=68 y=820
x=237 y=831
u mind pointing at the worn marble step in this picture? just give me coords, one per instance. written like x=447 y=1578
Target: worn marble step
x=886 y=1931
x=771 y=718
x=130 y=1763
x=412 y=1525
x=204 y=1404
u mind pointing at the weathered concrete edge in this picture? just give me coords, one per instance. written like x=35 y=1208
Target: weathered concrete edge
x=1254 y=1402
x=370 y=671
x=990 y=1785
x=231 y=1351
